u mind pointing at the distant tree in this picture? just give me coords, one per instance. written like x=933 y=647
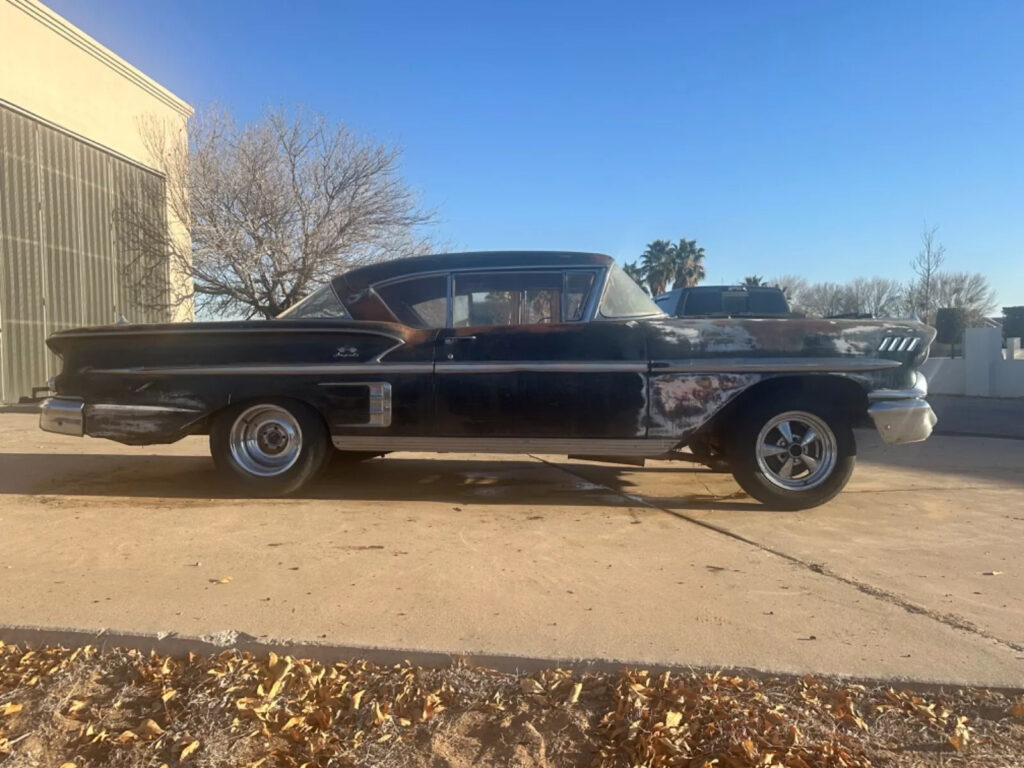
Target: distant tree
x=753 y=281
x=636 y=272
x=791 y=286
x=824 y=299
x=876 y=296
x=657 y=263
x=969 y=291
x=926 y=266
x=1013 y=322
x=689 y=259
x=665 y=264
x=275 y=208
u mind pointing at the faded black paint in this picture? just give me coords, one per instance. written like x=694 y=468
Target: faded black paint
x=562 y=403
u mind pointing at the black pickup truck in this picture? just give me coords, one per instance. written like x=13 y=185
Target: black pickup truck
x=725 y=301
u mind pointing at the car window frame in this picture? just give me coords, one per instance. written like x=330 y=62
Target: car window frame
x=600 y=318
x=597 y=288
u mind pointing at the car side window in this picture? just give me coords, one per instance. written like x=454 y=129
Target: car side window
x=578 y=286
x=507 y=298
x=420 y=302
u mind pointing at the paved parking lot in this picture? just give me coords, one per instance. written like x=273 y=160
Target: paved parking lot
x=914 y=572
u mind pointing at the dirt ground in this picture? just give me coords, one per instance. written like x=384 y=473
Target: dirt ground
x=120 y=707
x=524 y=562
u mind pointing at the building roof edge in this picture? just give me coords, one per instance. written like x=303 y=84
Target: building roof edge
x=77 y=37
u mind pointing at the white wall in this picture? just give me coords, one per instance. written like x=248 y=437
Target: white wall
x=983 y=371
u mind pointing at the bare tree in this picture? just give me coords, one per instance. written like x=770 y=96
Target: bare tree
x=791 y=286
x=926 y=265
x=875 y=296
x=824 y=299
x=274 y=208
x=969 y=291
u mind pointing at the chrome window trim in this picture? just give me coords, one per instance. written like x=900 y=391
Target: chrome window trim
x=598 y=317
x=600 y=280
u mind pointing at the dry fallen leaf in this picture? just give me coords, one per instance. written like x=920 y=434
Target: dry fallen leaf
x=127 y=736
x=188 y=751
x=151 y=728
x=225 y=580
x=11 y=709
x=576 y=689
x=1017 y=710
x=68 y=765
x=529 y=685
x=672 y=719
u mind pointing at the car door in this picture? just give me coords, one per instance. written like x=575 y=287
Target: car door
x=520 y=359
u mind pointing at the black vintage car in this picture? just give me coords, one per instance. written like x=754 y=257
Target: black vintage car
x=506 y=352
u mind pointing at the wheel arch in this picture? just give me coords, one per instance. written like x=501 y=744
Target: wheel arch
x=842 y=392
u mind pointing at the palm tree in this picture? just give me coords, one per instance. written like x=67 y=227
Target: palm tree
x=689 y=264
x=753 y=281
x=658 y=263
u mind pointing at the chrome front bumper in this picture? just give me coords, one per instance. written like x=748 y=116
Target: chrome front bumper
x=62 y=415
x=903 y=415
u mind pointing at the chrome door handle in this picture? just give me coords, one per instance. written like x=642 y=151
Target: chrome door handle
x=453 y=339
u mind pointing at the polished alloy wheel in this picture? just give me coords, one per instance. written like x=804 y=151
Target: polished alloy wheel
x=796 y=450
x=265 y=440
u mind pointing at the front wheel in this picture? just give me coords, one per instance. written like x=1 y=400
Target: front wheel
x=790 y=454
x=270 y=448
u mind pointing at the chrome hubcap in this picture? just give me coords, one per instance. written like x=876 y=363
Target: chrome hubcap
x=796 y=450
x=265 y=440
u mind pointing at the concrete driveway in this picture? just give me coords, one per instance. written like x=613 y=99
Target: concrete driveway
x=913 y=573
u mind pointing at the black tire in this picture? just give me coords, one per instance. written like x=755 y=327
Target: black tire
x=245 y=444
x=772 y=488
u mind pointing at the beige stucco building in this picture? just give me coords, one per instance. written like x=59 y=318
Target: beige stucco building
x=73 y=158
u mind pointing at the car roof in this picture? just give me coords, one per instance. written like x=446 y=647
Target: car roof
x=362 y=277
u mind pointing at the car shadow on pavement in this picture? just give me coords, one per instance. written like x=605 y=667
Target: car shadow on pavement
x=467 y=481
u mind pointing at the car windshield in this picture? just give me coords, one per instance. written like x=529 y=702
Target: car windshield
x=624 y=298
x=322 y=304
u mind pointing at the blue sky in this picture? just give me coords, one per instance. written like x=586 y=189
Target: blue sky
x=811 y=138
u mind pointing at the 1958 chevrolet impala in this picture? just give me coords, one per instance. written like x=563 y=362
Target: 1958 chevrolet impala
x=506 y=352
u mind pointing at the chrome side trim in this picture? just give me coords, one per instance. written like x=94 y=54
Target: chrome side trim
x=337 y=369
x=918 y=390
x=773 y=365
x=610 y=366
x=114 y=331
x=565 y=446
x=134 y=410
x=63 y=416
x=380 y=402
x=903 y=421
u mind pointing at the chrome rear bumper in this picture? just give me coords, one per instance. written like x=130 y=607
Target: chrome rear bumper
x=903 y=415
x=62 y=415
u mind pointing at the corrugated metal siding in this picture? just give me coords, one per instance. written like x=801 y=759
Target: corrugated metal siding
x=64 y=259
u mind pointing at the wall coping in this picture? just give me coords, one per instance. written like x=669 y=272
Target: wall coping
x=101 y=53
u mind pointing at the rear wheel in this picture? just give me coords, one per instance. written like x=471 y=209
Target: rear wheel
x=271 y=448
x=792 y=454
